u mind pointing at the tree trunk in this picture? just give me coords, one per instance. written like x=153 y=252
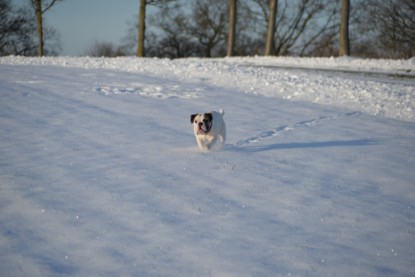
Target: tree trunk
x=269 y=46
x=39 y=21
x=344 y=49
x=141 y=28
x=232 y=24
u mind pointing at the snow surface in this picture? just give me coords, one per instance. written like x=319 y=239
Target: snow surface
x=100 y=174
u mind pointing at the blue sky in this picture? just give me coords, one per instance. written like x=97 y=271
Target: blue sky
x=82 y=22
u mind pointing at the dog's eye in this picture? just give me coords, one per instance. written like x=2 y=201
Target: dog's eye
x=195 y=121
x=205 y=120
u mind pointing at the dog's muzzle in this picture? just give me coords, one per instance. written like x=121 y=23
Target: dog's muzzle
x=200 y=131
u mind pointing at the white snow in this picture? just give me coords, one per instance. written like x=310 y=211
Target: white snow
x=376 y=87
x=100 y=174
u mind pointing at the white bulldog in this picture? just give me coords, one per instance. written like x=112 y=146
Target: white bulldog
x=208 y=127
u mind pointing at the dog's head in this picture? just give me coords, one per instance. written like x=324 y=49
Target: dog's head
x=201 y=123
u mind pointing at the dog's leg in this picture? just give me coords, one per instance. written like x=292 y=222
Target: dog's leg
x=222 y=136
x=202 y=144
x=213 y=141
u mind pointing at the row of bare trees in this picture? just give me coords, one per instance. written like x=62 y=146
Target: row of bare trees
x=367 y=28
x=249 y=27
x=205 y=28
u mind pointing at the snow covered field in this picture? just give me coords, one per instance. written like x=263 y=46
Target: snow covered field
x=100 y=173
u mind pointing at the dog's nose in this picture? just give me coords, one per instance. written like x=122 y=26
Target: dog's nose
x=200 y=124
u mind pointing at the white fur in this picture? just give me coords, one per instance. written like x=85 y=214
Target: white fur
x=206 y=140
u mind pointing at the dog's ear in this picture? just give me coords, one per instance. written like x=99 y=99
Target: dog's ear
x=192 y=117
x=209 y=116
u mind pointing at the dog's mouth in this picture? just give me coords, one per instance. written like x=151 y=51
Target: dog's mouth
x=200 y=131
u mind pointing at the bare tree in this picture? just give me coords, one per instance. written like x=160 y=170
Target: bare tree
x=269 y=46
x=201 y=28
x=18 y=32
x=141 y=28
x=344 y=49
x=13 y=30
x=249 y=39
x=209 y=24
x=232 y=25
x=299 y=24
x=140 y=52
x=170 y=36
x=394 y=24
x=192 y=28
x=41 y=6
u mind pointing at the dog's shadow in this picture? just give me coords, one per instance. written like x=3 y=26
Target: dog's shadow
x=302 y=145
